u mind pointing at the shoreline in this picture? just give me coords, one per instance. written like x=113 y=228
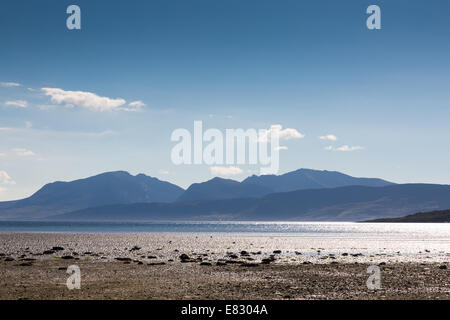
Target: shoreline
x=213 y=266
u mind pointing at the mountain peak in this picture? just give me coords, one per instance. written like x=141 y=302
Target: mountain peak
x=115 y=187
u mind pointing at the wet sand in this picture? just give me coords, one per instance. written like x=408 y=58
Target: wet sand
x=201 y=266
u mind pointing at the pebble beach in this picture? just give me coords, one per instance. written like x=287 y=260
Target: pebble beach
x=220 y=266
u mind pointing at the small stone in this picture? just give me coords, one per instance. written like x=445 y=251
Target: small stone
x=443 y=267
x=28 y=259
x=66 y=257
x=205 y=263
x=123 y=259
x=48 y=252
x=184 y=257
x=277 y=251
x=57 y=248
x=266 y=261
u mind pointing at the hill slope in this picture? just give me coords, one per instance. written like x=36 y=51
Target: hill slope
x=433 y=216
x=103 y=189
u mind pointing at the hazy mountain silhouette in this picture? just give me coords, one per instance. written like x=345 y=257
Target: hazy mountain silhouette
x=219 y=188
x=311 y=179
x=103 y=189
x=257 y=186
x=353 y=203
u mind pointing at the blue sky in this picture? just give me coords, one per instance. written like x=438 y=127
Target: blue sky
x=308 y=65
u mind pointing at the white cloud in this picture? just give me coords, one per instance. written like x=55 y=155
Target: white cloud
x=17 y=103
x=23 y=152
x=283 y=134
x=348 y=148
x=165 y=172
x=282 y=148
x=83 y=99
x=28 y=124
x=5 y=178
x=10 y=84
x=225 y=171
x=137 y=104
x=330 y=137
x=345 y=148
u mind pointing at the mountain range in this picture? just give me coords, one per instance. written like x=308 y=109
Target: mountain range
x=258 y=186
x=352 y=203
x=106 y=188
x=303 y=195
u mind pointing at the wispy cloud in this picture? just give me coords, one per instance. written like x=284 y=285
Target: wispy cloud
x=344 y=148
x=83 y=99
x=329 y=137
x=17 y=103
x=5 y=178
x=23 y=152
x=29 y=129
x=225 y=171
x=137 y=104
x=10 y=84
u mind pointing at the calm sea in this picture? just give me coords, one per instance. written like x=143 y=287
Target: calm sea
x=319 y=229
